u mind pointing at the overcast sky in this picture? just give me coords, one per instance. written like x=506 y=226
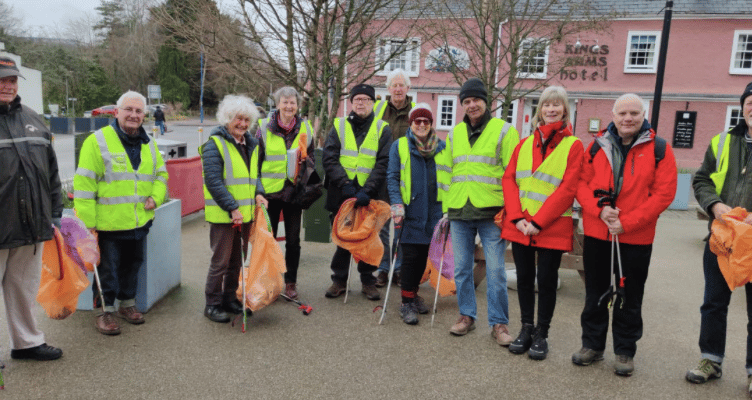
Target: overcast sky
x=52 y=15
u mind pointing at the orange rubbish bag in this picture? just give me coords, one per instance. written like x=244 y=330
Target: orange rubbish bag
x=431 y=274
x=356 y=229
x=264 y=279
x=731 y=241
x=62 y=280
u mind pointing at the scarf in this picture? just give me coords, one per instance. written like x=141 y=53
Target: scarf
x=426 y=147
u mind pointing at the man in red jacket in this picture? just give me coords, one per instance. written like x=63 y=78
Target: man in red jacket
x=639 y=172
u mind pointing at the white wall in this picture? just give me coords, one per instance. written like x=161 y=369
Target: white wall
x=30 y=89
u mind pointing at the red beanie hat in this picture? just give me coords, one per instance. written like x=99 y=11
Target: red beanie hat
x=421 y=110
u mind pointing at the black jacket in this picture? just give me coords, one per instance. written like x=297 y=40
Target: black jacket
x=214 y=167
x=159 y=115
x=29 y=182
x=336 y=177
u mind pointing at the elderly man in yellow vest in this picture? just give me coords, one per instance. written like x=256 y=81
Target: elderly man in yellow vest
x=469 y=171
x=120 y=180
x=394 y=111
x=356 y=154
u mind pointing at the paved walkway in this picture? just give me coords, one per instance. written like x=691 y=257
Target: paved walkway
x=341 y=352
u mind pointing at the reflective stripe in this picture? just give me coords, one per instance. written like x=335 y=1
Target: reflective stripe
x=264 y=124
x=275 y=157
x=363 y=170
x=476 y=178
x=444 y=168
x=403 y=184
x=443 y=186
x=380 y=108
x=544 y=177
x=275 y=176
x=83 y=194
x=474 y=158
x=243 y=202
x=228 y=166
x=86 y=173
x=368 y=152
x=111 y=201
x=23 y=139
x=719 y=150
x=504 y=131
x=351 y=153
x=533 y=196
x=342 y=134
x=523 y=174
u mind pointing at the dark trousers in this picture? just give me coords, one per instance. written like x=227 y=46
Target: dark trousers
x=414 y=257
x=118 y=268
x=714 y=311
x=548 y=277
x=341 y=266
x=627 y=319
x=224 y=269
x=293 y=215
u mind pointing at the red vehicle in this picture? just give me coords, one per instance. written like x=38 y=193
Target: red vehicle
x=104 y=110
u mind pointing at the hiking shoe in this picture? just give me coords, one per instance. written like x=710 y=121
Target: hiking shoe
x=500 y=333
x=381 y=279
x=291 y=290
x=337 y=289
x=623 y=365
x=523 y=341
x=371 y=292
x=131 y=315
x=539 y=348
x=705 y=371
x=409 y=313
x=232 y=306
x=216 y=314
x=586 y=356
x=420 y=305
x=464 y=325
x=106 y=324
x=43 y=352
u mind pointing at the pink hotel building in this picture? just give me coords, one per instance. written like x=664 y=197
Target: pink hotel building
x=708 y=64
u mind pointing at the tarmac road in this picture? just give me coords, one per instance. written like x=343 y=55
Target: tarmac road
x=340 y=351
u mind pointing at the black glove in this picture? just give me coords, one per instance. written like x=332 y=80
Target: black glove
x=362 y=199
x=348 y=191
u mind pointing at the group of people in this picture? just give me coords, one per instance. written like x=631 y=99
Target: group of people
x=483 y=178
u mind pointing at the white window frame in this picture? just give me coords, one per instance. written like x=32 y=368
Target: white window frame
x=734 y=51
x=729 y=111
x=412 y=63
x=513 y=115
x=455 y=104
x=533 y=75
x=642 y=69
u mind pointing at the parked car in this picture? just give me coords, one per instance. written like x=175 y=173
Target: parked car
x=104 y=111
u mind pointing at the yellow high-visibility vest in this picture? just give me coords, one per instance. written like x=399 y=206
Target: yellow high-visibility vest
x=720 y=145
x=536 y=187
x=274 y=167
x=358 y=162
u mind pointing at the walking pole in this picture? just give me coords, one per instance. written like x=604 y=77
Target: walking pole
x=441 y=270
x=391 y=271
x=242 y=272
x=620 y=291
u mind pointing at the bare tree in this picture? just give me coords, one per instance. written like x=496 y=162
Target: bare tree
x=506 y=43
x=312 y=45
x=10 y=22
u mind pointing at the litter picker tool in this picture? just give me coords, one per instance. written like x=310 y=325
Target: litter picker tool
x=305 y=308
x=441 y=270
x=391 y=273
x=349 y=274
x=243 y=269
x=615 y=292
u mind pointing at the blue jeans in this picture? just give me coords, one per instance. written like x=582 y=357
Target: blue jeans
x=463 y=244
x=160 y=124
x=118 y=270
x=386 y=260
x=714 y=312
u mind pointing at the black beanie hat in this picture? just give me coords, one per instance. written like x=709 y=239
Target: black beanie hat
x=747 y=93
x=367 y=90
x=473 y=87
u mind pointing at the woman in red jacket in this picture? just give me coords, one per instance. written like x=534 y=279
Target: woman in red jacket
x=539 y=188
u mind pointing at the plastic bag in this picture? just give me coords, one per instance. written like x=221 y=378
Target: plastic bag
x=356 y=229
x=62 y=279
x=80 y=243
x=731 y=241
x=264 y=279
x=447 y=288
x=437 y=248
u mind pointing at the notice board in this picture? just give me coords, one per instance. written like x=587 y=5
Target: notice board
x=684 y=129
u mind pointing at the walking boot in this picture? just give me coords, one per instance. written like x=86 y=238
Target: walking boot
x=624 y=365
x=500 y=333
x=539 y=348
x=371 y=292
x=216 y=314
x=585 y=357
x=131 y=315
x=464 y=325
x=337 y=289
x=43 y=352
x=381 y=279
x=706 y=370
x=523 y=341
x=291 y=290
x=408 y=313
x=106 y=324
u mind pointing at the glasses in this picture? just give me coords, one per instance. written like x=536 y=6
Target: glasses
x=131 y=110
x=422 y=121
x=361 y=100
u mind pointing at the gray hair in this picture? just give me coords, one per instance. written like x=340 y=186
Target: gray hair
x=628 y=97
x=552 y=93
x=395 y=73
x=232 y=106
x=286 y=91
x=131 y=95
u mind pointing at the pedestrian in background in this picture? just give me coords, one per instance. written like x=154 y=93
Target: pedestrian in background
x=121 y=179
x=278 y=134
x=477 y=151
x=230 y=159
x=413 y=191
x=722 y=183
x=540 y=183
x=356 y=154
x=159 y=120
x=636 y=172
x=30 y=203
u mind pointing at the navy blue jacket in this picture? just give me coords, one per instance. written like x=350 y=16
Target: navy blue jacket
x=424 y=211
